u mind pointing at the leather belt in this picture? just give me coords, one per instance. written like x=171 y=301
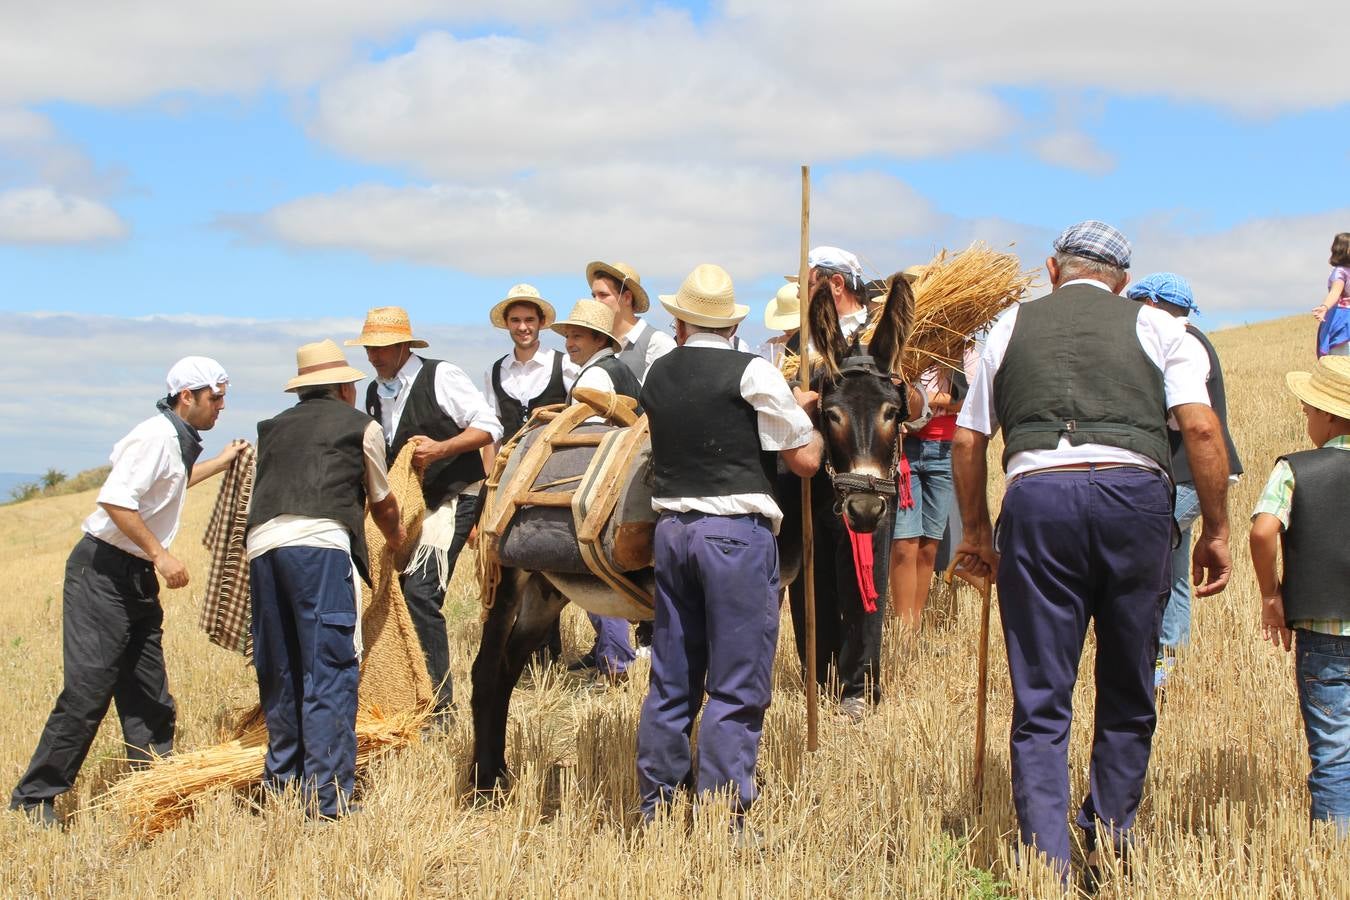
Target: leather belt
x=1078 y=467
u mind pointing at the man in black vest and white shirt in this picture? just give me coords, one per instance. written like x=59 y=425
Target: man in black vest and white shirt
x=319 y=462
x=1081 y=382
x=113 y=626
x=435 y=405
x=618 y=286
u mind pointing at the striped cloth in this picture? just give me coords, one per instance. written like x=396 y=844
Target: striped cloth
x=225 y=604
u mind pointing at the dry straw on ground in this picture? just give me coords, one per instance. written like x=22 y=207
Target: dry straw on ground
x=882 y=809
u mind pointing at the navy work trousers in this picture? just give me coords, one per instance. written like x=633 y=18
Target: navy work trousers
x=715 y=631
x=304 y=650
x=112 y=649
x=1075 y=546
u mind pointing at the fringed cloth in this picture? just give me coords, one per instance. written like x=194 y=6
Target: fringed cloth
x=225 y=604
x=438 y=533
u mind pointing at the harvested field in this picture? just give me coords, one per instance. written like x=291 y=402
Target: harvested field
x=883 y=809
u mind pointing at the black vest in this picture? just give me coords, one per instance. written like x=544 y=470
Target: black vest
x=635 y=357
x=311 y=463
x=705 y=436
x=1316 y=566
x=1074 y=367
x=513 y=414
x=1181 y=466
x=626 y=384
x=445 y=478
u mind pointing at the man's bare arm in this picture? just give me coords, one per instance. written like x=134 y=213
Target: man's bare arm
x=1207 y=454
x=970 y=471
x=130 y=523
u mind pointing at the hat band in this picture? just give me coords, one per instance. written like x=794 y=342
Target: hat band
x=386 y=328
x=319 y=367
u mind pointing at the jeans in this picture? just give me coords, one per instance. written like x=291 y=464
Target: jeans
x=930 y=468
x=1322 y=662
x=1176 y=622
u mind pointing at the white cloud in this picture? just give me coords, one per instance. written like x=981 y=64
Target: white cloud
x=42 y=215
x=1074 y=150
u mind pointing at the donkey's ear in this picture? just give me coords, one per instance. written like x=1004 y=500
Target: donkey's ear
x=825 y=334
x=892 y=332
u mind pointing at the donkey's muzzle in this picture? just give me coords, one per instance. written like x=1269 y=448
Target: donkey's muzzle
x=864 y=511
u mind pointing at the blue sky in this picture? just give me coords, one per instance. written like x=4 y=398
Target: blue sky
x=286 y=169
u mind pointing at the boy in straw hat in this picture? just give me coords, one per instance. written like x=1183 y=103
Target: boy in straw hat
x=434 y=405
x=783 y=314
x=591 y=344
x=717 y=416
x=618 y=286
x=1300 y=513
x=319 y=462
x=112 y=634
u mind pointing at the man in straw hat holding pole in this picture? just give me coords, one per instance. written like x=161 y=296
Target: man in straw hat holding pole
x=433 y=404
x=717 y=416
x=618 y=286
x=112 y=631
x=1082 y=381
x=319 y=463
x=1302 y=512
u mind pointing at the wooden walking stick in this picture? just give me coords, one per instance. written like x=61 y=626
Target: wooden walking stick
x=984 y=586
x=808 y=532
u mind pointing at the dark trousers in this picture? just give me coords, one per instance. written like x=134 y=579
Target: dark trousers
x=848 y=640
x=112 y=649
x=1077 y=546
x=715 y=631
x=423 y=593
x=304 y=651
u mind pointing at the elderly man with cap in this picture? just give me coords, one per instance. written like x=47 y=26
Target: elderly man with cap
x=1172 y=294
x=112 y=623
x=1082 y=381
x=433 y=404
x=618 y=286
x=718 y=417
x=319 y=463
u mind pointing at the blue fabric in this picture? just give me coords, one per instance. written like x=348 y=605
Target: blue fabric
x=1076 y=546
x=304 y=651
x=1176 y=620
x=930 y=480
x=1323 y=666
x=1097 y=241
x=715 y=630
x=1166 y=287
x=1334 y=330
x=613 y=650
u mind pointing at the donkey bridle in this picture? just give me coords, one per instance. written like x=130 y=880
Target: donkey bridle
x=845 y=483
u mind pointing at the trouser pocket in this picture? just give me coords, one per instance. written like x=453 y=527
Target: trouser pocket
x=337 y=638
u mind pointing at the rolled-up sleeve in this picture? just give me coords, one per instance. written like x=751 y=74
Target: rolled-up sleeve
x=978 y=413
x=137 y=463
x=463 y=402
x=783 y=425
x=377 y=471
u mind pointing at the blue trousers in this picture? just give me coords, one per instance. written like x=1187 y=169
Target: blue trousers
x=1077 y=546
x=715 y=631
x=1176 y=620
x=304 y=624
x=613 y=650
x=1323 y=666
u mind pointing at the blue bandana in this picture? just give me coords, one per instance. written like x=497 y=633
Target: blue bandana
x=1165 y=287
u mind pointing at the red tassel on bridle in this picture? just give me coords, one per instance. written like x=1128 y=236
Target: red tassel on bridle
x=862 y=565
x=904 y=493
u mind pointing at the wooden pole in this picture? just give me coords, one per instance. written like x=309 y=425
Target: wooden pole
x=808 y=531
x=984 y=586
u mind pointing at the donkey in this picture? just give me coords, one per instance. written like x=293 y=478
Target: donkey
x=861 y=411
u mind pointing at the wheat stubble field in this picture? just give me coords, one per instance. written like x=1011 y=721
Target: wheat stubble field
x=884 y=808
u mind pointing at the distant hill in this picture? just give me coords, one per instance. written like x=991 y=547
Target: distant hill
x=74 y=484
x=10 y=480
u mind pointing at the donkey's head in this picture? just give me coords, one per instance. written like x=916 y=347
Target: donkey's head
x=861 y=408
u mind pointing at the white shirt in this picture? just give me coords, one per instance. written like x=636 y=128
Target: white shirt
x=592 y=376
x=1183 y=363
x=455 y=394
x=783 y=425
x=523 y=381
x=660 y=344
x=849 y=323
x=147 y=476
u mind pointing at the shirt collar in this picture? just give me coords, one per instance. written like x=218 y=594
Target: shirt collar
x=410 y=369
x=1340 y=441
x=704 y=339
x=538 y=360
x=1092 y=281
x=634 y=333
x=601 y=354
x=858 y=315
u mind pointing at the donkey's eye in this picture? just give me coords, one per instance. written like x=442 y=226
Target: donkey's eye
x=834 y=416
x=890 y=414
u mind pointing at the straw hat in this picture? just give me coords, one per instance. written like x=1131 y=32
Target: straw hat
x=627 y=277
x=322 y=363
x=594 y=315
x=1326 y=387
x=386 y=325
x=522 y=293
x=706 y=298
x=784 y=311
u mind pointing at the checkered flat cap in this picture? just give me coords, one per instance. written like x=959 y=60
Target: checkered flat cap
x=1096 y=241
x=1165 y=287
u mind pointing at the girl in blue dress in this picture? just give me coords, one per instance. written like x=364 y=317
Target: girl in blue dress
x=1333 y=335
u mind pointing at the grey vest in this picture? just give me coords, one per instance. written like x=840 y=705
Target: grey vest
x=1074 y=368
x=1316 y=566
x=635 y=357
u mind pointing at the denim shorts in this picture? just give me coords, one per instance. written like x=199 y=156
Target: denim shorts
x=930 y=481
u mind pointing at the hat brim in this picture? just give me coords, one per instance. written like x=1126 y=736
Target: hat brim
x=558 y=328
x=781 y=321
x=1301 y=385
x=385 y=339
x=497 y=315
x=641 y=302
x=339 y=375
x=693 y=318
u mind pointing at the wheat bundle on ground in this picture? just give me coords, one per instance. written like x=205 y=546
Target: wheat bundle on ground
x=955 y=297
